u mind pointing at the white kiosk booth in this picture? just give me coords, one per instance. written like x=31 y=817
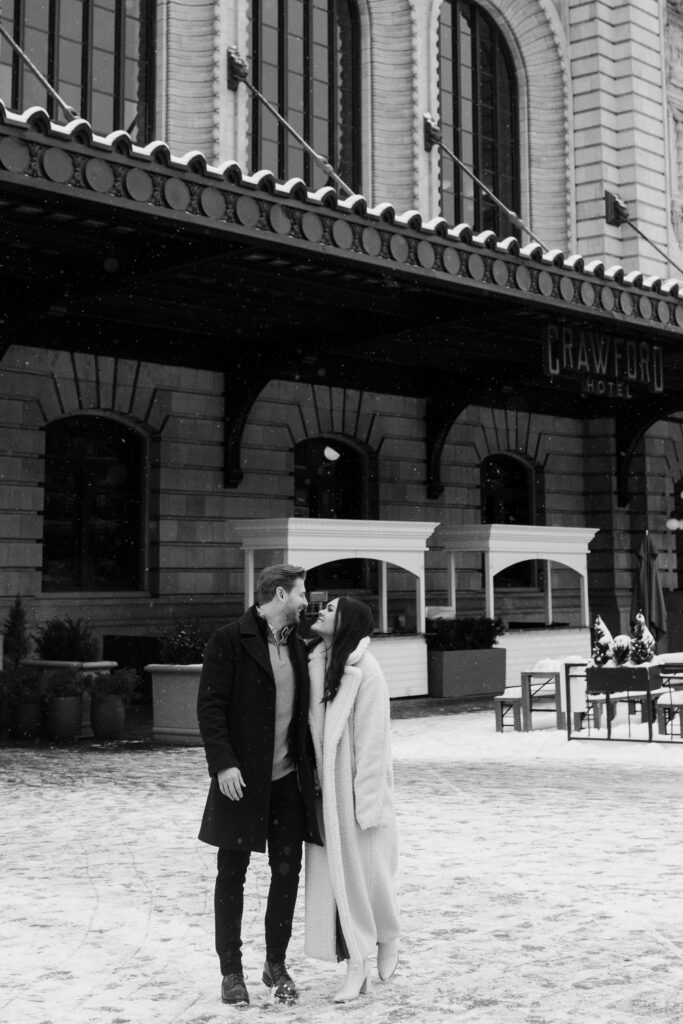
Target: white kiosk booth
x=313 y=542
x=503 y=545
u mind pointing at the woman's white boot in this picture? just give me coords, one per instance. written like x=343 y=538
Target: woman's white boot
x=356 y=983
x=387 y=959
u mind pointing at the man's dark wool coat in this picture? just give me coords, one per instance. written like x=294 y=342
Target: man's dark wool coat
x=236 y=712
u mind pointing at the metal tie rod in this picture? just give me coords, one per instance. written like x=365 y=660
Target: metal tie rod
x=238 y=72
x=432 y=137
x=71 y=111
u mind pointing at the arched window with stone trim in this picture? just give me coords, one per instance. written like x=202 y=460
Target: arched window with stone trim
x=305 y=62
x=512 y=491
x=335 y=478
x=478 y=114
x=97 y=54
x=93 y=537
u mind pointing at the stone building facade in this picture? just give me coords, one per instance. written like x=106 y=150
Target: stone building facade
x=599 y=107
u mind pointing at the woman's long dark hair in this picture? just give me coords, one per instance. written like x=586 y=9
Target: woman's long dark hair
x=352 y=621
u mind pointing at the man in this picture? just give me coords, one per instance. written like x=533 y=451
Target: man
x=253 y=716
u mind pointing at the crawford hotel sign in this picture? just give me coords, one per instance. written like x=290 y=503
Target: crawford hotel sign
x=602 y=364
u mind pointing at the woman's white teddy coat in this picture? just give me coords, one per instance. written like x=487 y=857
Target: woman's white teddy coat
x=354 y=872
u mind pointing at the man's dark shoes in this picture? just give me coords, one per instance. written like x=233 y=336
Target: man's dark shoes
x=233 y=989
x=277 y=978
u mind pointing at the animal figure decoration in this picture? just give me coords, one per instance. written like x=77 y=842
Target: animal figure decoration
x=602 y=644
x=621 y=649
x=610 y=652
x=643 y=645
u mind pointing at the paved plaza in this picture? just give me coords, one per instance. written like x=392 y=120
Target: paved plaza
x=541 y=882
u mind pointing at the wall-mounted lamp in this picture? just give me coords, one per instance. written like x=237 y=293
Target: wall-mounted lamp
x=673 y=524
x=331 y=454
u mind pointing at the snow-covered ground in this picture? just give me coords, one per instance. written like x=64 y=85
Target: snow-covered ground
x=541 y=882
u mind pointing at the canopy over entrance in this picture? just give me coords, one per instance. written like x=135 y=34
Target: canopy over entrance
x=312 y=542
x=503 y=545
x=168 y=259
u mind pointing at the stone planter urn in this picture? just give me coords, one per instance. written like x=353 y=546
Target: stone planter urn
x=62 y=722
x=108 y=716
x=83 y=668
x=174 y=704
x=25 y=719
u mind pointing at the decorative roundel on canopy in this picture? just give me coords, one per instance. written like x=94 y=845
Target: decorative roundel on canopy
x=499 y=272
x=99 y=175
x=567 y=289
x=426 y=256
x=399 y=248
x=14 y=155
x=626 y=303
x=247 y=211
x=212 y=203
x=342 y=233
x=451 y=260
x=523 y=278
x=545 y=283
x=663 y=312
x=139 y=185
x=644 y=307
x=587 y=293
x=476 y=267
x=607 y=299
x=58 y=165
x=279 y=220
x=312 y=227
x=176 y=194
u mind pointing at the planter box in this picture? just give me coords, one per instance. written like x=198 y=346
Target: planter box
x=622 y=678
x=174 y=704
x=479 y=673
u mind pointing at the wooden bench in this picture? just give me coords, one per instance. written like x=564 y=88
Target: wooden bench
x=540 y=693
x=586 y=709
x=669 y=705
x=508 y=705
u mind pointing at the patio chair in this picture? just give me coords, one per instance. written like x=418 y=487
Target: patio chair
x=585 y=708
x=507 y=707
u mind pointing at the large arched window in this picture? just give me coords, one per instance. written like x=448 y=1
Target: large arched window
x=334 y=479
x=92 y=533
x=512 y=492
x=97 y=54
x=478 y=116
x=305 y=62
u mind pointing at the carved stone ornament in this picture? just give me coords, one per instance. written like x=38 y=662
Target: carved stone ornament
x=674 y=54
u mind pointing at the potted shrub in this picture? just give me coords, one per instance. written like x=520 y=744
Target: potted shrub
x=16 y=643
x=175 y=683
x=20 y=687
x=66 y=643
x=462 y=660
x=62 y=690
x=109 y=695
x=65 y=639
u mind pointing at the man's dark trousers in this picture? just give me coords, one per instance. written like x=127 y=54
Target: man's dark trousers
x=286 y=827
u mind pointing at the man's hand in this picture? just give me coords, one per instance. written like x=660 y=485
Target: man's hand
x=231 y=783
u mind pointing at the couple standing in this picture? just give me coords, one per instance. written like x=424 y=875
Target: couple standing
x=285 y=721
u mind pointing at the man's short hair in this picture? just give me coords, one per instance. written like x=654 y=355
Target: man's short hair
x=274 y=576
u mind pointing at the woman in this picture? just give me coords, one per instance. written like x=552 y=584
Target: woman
x=351 y=908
